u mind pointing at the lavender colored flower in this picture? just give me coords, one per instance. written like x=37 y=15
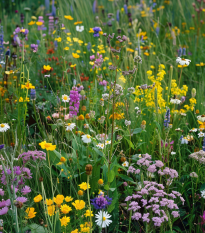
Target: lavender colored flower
x=94 y=6
x=4 y=210
x=26 y=156
x=159 y=163
x=74 y=101
x=101 y=202
x=152 y=168
x=1 y=146
x=27 y=172
x=203 y=147
x=184 y=51
x=25 y=190
x=180 y=52
x=137 y=216
x=21 y=199
x=145 y=218
x=17 y=170
x=1 y=192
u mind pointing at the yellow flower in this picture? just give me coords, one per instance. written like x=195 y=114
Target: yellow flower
x=31 y=23
x=63 y=159
x=58 y=199
x=64 y=221
x=47 y=146
x=30 y=213
x=100 y=181
x=75 y=55
x=73 y=65
x=78 y=22
x=143 y=122
x=80 y=193
x=49 y=202
x=69 y=17
x=79 y=204
x=91 y=30
x=75 y=231
x=39 y=23
x=84 y=186
x=38 y=198
x=27 y=86
x=65 y=209
x=20 y=99
x=59 y=39
x=48 y=68
x=51 y=210
x=68 y=199
x=66 y=48
x=88 y=213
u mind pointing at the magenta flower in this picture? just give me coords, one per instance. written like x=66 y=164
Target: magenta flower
x=21 y=199
x=4 y=210
x=1 y=192
x=25 y=190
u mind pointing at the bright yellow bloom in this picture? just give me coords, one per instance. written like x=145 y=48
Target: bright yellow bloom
x=58 y=199
x=63 y=159
x=64 y=221
x=68 y=199
x=75 y=231
x=69 y=17
x=20 y=99
x=27 y=86
x=79 y=204
x=47 y=146
x=30 y=213
x=65 y=209
x=78 y=22
x=66 y=48
x=48 y=68
x=39 y=23
x=80 y=193
x=100 y=181
x=75 y=55
x=51 y=210
x=49 y=202
x=31 y=23
x=88 y=213
x=84 y=186
x=38 y=198
x=59 y=39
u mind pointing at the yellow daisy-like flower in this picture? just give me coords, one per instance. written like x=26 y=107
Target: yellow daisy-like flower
x=78 y=22
x=75 y=55
x=65 y=209
x=58 y=199
x=75 y=231
x=84 y=186
x=47 y=146
x=66 y=48
x=79 y=204
x=21 y=99
x=39 y=23
x=30 y=213
x=64 y=221
x=69 y=17
x=48 y=68
x=31 y=23
x=27 y=86
x=51 y=210
x=88 y=213
x=38 y=198
x=68 y=199
x=49 y=202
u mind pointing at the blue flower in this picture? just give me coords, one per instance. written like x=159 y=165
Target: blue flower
x=96 y=31
x=101 y=202
x=1 y=146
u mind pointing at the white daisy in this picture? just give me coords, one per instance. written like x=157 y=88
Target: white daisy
x=173 y=153
x=184 y=141
x=4 y=127
x=86 y=138
x=107 y=142
x=200 y=135
x=193 y=130
x=125 y=164
x=70 y=126
x=201 y=118
x=182 y=61
x=103 y=219
x=65 y=98
x=100 y=145
x=79 y=28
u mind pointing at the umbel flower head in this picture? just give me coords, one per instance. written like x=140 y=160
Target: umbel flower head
x=4 y=127
x=47 y=146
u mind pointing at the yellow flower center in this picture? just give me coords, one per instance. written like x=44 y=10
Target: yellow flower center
x=69 y=124
x=2 y=125
x=65 y=97
x=104 y=218
x=88 y=136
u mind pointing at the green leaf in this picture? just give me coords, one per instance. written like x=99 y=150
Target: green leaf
x=126 y=178
x=106 y=187
x=112 y=189
x=111 y=176
x=137 y=130
x=202 y=187
x=130 y=143
x=35 y=228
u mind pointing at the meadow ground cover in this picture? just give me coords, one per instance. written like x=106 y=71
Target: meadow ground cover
x=102 y=116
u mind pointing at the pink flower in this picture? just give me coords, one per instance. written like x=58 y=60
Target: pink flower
x=92 y=57
x=25 y=190
x=4 y=210
x=68 y=116
x=55 y=115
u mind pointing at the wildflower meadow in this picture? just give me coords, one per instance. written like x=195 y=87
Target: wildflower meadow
x=102 y=116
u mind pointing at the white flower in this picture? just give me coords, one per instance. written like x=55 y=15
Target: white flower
x=175 y=101
x=173 y=153
x=193 y=174
x=127 y=122
x=107 y=142
x=150 y=174
x=200 y=135
x=105 y=96
x=201 y=118
x=47 y=75
x=100 y=145
x=103 y=219
x=4 y=127
x=125 y=164
x=183 y=114
x=182 y=61
x=86 y=138
x=79 y=28
x=193 y=130
x=178 y=129
x=70 y=126
x=203 y=193
x=136 y=108
x=65 y=98
x=184 y=141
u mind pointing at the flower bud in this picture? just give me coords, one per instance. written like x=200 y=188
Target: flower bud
x=88 y=169
x=193 y=92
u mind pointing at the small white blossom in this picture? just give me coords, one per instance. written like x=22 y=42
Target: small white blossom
x=182 y=61
x=103 y=219
x=70 y=126
x=125 y=164
x=4 y=127
x=173 y=153
x=200 y=135
x=79 y=28
x=127 y=122
x=86 y=138
x=100 y=145
x=175 y=101
x=65 y=98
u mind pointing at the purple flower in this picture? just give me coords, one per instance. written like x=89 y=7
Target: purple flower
x=25 y=190
x=4 y=210
x=145 y=218
x=137 y=216
x=1 y=192
x=1 y=146
x=74 y=100
x=96 y=31
x=17 y=170
x=32 y=154
x=175 y=214
x=21 y=199
x=101 y=202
